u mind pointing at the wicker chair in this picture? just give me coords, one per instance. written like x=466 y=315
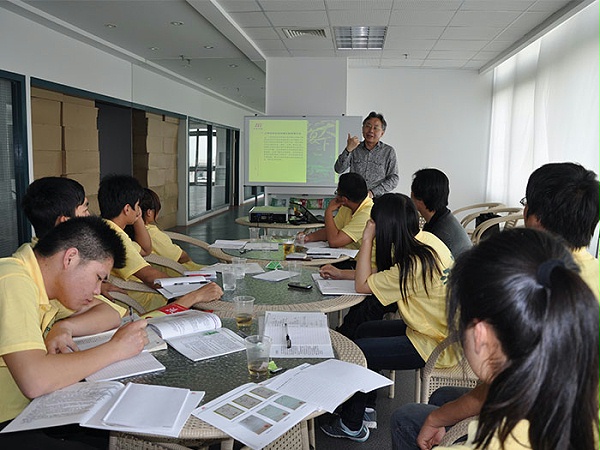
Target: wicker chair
x=431 y=378
x=457 y=431
x=163 y=261
x=477 y=207
x=505 y=222
x=469 y=219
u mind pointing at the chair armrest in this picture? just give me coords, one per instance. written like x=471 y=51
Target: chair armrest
x=165 y=262
x=131 y=285
x=457 y=431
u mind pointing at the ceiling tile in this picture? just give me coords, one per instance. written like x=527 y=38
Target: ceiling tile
x=549 y=5
x=409 y=44
x=443 y=54
x=459 y=45
x=444 y=63
x=428 y=5
x=501 y=5
x=355 y=18
x=257 y=33
x=398 y=34
x=298 y=19
x=292 y=5
x=476 y=33
x=239 y=5
x=421 y=18
x=412 y=54
x=483 y=18
x=364 y=5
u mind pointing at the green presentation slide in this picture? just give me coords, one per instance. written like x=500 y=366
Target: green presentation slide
x=295 y=150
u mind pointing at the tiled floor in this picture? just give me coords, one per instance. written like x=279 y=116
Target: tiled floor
x=222 y=226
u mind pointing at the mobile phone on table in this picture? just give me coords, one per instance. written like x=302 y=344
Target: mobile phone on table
x=296 y=285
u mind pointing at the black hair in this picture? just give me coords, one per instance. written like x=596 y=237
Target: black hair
x=564 y=197
x=115 y=192
x=396 y=225
x=48 y=198
x=523 y=282
x=352 y=186
x=150 y=201
x=91 y=236
x=432 y=187
x=376 y=115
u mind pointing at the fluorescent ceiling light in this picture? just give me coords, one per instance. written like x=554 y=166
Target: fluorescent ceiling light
x=359 y=38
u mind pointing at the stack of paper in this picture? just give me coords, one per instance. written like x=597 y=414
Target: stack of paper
x=224 y=243
x=327 y=252
x=136 y=408
x=178 y=286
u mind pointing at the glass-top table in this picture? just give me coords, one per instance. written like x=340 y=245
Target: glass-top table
x=215 y=376
x=276 y=296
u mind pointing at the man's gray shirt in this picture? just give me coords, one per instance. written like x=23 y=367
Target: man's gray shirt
x=378 y=166
x=449 y=230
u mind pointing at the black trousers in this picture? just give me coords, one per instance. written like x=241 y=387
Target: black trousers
x=369 y=309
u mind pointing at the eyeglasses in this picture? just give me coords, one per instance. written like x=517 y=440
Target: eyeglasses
x=523 y=201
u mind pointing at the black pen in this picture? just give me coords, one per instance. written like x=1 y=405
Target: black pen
x=288 y=341
x=130 y=314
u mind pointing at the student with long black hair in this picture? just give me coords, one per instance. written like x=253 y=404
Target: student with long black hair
x=528 y=324
x=411 y=271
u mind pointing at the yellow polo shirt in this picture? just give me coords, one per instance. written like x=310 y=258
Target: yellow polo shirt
x=26 y=315
x=354 y=224
x=423 y=312
x=133 y=263
x=163 y=245
x=518 y=439
x=588 y=269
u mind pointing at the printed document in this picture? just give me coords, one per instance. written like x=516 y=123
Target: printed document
x=135 y=408
x=335 y=287
x=306 y=333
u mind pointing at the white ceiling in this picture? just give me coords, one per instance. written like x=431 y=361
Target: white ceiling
x=457 y=34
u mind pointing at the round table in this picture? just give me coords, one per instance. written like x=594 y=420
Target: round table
x=261 y=256
x=276 y=296
x=217 y=376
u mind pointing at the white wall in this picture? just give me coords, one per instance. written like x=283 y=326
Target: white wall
x=306 y=86
x=436 y=118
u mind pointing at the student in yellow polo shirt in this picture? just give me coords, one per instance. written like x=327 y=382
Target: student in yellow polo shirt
x=39 y=356
x=162 y=244
x=528 y=325
x=412 y=268
x=119 y=199
x=353 y=206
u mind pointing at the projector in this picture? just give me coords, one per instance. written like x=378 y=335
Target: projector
x=269 y=214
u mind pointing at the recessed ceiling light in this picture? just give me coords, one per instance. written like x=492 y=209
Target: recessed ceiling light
x=250 y=78
x=110 y=25
x=176 y=23
x=153 y=48
x=233 y=66
x=208 y=47
x=209 y=78
x=359 y=38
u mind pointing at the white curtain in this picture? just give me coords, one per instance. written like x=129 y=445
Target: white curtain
x=545 y=107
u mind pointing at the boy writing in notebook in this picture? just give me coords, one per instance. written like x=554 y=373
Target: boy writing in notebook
x=68 y=264
x=119 y=198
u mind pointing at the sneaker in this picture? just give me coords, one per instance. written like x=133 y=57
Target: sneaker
x=337 y=429
x=370 y=418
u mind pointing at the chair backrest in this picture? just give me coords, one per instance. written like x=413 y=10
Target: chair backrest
x=477 y=206
x=128 y=301
x=467 y=221
x=460 y=375
x=504 y=222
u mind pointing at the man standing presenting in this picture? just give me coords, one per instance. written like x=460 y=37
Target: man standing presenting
x=374 y=160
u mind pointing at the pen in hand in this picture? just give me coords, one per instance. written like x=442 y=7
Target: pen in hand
x=288 y=341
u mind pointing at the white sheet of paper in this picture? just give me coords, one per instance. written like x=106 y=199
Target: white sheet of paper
x=335 y=287
x=231 y=244
x=328 y=252
x=274 y=275
x=155 y=406
x=327 y=384
x=308 y=333
x=136 y=365
x=248 y=268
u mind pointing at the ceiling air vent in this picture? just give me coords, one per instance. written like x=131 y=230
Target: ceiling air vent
x=314 y=32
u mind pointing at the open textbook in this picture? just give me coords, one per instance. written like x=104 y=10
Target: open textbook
x=257 y=414
x=298 y=334
x=135 y=408
x=196 y=334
